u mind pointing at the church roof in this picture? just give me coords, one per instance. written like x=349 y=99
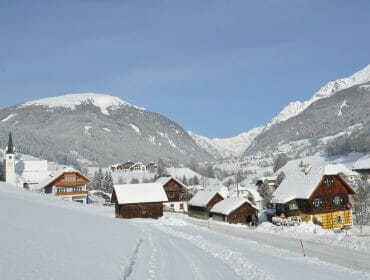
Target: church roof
x=10 y=148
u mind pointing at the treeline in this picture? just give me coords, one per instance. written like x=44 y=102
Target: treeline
x=356 y=142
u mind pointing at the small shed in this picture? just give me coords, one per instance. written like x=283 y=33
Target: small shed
x=236 y=210
x=202 y=202
x=139 y=200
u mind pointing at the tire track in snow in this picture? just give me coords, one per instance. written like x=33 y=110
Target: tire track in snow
x=235 y=260
x=128 y=270
x=153 y=257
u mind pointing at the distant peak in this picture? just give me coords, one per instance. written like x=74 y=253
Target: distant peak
x=103 y=101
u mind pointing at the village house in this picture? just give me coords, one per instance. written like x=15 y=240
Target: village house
x=138 y=167
x=271 y=182
x=65 y=183
x=177 y=193
x=314 y=193
x=362 y=166
x=121 y=167
x=236 y=210
x=139 y=200
x=202 y=202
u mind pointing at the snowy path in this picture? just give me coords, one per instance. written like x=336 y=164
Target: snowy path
x=176 y=249
x=357 y=260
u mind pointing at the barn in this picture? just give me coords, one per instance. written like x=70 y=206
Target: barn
x=236 y=210
x=202 y=202
x=139 y=200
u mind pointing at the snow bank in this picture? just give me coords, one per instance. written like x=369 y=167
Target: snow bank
x=311 y=232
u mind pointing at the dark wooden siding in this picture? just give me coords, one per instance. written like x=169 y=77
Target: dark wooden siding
x=242 y=215
x=140 y=210
x=174 y=191
x=204 y=212
x=216 y=199
x=327 y=194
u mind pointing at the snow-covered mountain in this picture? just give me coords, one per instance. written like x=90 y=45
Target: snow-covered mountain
x=227 y=147
x=103 y=101
x=295 y=108
x=96 y=128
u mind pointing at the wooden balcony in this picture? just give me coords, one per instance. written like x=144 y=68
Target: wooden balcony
x=72 y=193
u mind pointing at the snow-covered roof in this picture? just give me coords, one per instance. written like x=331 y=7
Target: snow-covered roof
x=301 y=181
x=140 y=193
x=228 y=205
x=202 y=198
x=164 y=180
x=253 y=191
x=32 y=172
x=221 y=189
x=55 y=175
x=336 y=168
x=362 y=163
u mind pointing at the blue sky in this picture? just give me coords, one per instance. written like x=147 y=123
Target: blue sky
x=216 y=67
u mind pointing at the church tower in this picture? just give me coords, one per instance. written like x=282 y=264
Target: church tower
x=10 y=176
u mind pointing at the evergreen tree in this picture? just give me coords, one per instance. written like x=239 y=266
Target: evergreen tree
x=98 y=180
x=280 y=178
x=184 y=180
x=2 y=172
x=280 y=161
x=196 y=180
x=134 y=181
x=108 y=182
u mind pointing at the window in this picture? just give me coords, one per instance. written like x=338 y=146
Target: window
x=172 y=205
x=337 y=200
x=317 y=203
x=329 y=181
x=293 y=206
x=70 y=179
x=59 y=190
x=339 y=219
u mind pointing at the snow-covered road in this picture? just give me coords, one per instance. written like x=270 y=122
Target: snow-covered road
x=346 y=257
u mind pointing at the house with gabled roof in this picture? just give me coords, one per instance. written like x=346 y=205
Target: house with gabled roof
x=177 y=193
x=67 y=184
x=139 y=200
x=202 y=202
x=235 y=210
x=314 y=193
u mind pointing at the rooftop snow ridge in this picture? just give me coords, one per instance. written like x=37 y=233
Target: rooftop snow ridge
x=295 y=108
x=103 y=101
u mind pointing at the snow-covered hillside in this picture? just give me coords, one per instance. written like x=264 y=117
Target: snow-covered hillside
x=103 y=101
x=227 y=147
x=294 y=108
x=42 y=237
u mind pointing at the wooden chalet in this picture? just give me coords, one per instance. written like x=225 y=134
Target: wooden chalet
x=238 y=210
x=139 y=200
x=318 y=194
x=68 y=184
x=202 y=202
x=176 y=192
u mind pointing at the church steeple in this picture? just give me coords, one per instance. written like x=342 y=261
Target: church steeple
x=10 y=148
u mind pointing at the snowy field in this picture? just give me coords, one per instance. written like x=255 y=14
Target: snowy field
x=45 y=238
